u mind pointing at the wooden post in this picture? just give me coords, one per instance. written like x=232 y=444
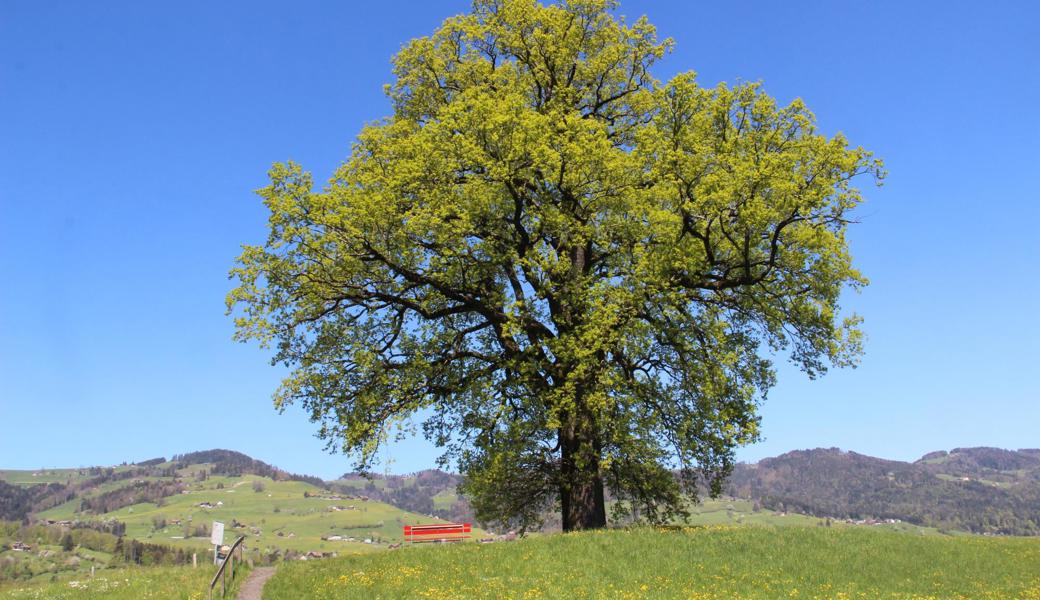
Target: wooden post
x=194 y=560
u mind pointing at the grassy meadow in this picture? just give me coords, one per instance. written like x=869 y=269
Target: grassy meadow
x=141 y=583
x=695 y=563
x=734 y=511
x=25 y=478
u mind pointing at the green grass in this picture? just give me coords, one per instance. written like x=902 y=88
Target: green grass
x=444 y=500
x=733 y=511
x=152 y=583
x=699 y=563
x=360 y=484
x=1000 y=484
x=33 y=477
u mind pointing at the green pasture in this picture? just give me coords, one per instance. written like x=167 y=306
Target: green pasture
x=27 y=477
x=733 y=511
x=151 y=583
x=695 y=563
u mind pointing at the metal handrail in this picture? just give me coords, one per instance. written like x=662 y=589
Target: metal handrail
x=222 y=572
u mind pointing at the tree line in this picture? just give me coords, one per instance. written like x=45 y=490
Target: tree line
x=235 y=464
x=136 y=493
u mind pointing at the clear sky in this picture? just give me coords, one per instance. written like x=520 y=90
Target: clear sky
x=132 y=136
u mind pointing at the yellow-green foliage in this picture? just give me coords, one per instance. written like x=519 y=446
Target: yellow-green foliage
x=574 y=271
x=710 y=563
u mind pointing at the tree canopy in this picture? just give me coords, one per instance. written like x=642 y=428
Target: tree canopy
x=572 y=276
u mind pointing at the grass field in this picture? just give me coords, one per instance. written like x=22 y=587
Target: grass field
x=33 y=477
x=733 y=511
x=154 y=583
x=699 y=563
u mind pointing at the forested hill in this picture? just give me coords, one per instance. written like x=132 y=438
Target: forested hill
x=982 y=490
x=236 y=464
x=17 y=501
x=429 y=492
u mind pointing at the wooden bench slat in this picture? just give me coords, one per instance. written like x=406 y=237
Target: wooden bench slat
x=437 y=532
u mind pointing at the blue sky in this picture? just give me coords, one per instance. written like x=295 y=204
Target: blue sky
x=132 y=136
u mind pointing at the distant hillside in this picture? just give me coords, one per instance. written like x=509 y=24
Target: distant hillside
x=235 y=464
x=17 y=501
x=982 y=490
x=429 y=492
x=161 y=512
x=98 y=489
x=979 y=490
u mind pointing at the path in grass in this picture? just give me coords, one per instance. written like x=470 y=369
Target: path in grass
x=254 y=584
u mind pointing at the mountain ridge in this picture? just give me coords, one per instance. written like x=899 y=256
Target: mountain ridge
x=982 y=489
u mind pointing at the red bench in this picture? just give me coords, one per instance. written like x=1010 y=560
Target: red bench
x=437 y=532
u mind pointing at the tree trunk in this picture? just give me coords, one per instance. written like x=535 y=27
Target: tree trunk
x=581 y=486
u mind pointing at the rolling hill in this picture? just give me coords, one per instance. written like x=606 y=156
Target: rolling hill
x=979 y=490
x=159 y=512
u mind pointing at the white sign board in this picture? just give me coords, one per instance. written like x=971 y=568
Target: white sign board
x=217 y=537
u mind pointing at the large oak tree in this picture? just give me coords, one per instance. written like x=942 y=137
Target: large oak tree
x=571 y=275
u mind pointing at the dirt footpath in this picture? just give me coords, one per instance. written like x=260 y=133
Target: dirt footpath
x=254 y=584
